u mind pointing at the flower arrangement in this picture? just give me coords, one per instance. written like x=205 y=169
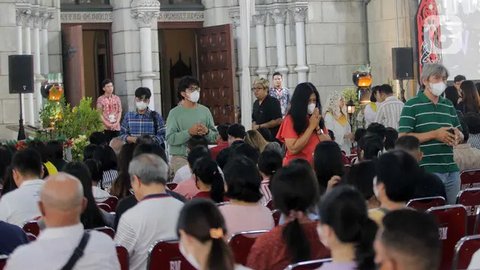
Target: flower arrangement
x=77 y=145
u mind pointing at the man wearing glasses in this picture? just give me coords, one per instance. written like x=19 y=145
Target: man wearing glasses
x=143 y=121
x=187 y=119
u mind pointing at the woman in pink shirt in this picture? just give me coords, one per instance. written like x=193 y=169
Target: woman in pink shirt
x=110 y=108
x=244 y=212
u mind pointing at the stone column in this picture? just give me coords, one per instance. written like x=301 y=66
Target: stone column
x=37 y=24
x=259 y=21
x=27 y=49
x=279 y=15
x=145 y=13
x=301 y=68
x=238 y=37
x=20 y=21
x=47 y=15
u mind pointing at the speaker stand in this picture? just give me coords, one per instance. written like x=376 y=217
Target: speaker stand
x=21 y=128
x=402 y=91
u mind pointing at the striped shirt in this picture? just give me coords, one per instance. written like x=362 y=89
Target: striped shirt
x=420 y=115
x=138 y=124
x=265 y=190
x=389 y=111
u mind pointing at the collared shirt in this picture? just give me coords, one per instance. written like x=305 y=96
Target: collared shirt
x=389 y=112
x=152 y=219
x=111 y=110
x=420 y=115
x=54 y=246
x=138 y=124
x=283 y=95
x=21 y=205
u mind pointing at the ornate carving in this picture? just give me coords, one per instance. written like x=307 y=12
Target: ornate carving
x=47 y=16
x=279 y=15
x=145 y=12
x=86 y=17
x=181 y=16
x=36 y=16
x=299 y=13
x=259 y=19
x=23 y=13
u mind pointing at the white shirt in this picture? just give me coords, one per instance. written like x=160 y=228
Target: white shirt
x=54 y=247
x=370 y=114
x=100 y=195
x=475 y=262
x=152 y=219
x=389 y=112
x=21 y=205
x=183 y=173
x=339 y=131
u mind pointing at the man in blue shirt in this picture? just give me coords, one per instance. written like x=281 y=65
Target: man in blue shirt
x=12 y=237
x=142 y=121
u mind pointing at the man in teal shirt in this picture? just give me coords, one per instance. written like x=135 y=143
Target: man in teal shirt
x=187 y=119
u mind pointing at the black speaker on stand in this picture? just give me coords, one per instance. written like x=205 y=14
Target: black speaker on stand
x=20 y=80
x=402 y=61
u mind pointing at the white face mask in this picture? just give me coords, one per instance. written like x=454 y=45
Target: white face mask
x=189 y=257
x=311 y=108
x=437 y=88
x=194 y=96
x=141 y=105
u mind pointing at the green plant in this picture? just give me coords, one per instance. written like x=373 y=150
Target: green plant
x=80 y=120
x=52 y=112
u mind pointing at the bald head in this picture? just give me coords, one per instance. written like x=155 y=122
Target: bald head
x=62 y=192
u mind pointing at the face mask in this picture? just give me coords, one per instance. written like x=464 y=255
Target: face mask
x=141 y=105
x=311 y=108
x=194 y=96
x=437 y=88
x=189 y=257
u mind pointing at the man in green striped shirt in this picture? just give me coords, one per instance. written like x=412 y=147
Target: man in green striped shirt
x=433 y=120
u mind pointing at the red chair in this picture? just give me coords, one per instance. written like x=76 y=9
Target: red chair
x=242 y=242
x=112 y=202
x=104 y=207
x=31 y=227
x=423 y=204
x=31 y=237
x=122 y=255
x=172 y=185
x=470 y=179
x=452 y=220
x=276 y=214
x=106 y=230
x=166 y=255
x=464 y=251
x=270 y=205
x=3 y=261
x=476 y=229
x=470 y=198
x=308 y=265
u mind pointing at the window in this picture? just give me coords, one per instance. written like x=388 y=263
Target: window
x=174 y=5
x=85 y=5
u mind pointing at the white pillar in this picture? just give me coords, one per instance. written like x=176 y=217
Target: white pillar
x=259 y=21
x=238 y=44
x=37 y=23
x=27 y=49
x=301 y=68
x=145 y=13
x=19 y=18
x=279 y=15
x=47 y=16
x=245 y=85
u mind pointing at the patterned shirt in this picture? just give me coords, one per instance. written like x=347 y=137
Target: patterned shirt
x=111 y=110
x=420 y=115
x=474 y=140
x=137 y=124
x=389 y=111
x=283 y=95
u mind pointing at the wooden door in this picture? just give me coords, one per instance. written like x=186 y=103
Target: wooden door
x=216 y=72
x=74 y=82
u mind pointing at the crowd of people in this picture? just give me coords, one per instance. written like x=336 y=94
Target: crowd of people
x=341 y=194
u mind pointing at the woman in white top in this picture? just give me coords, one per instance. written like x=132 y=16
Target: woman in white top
x=336 y=120
x=201 y=229
x=371 y=108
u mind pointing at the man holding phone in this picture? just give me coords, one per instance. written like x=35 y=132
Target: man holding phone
x=434 y=121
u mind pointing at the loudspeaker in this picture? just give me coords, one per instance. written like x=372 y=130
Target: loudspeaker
x=20 y=74
x=402 y=60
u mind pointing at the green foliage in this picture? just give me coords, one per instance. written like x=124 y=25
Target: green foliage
x=52 y=112
x=80 y=120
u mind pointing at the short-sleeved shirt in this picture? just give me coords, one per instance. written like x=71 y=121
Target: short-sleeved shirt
x=267 y=111
x=420 y=115
x=286 y=131
x=111 y=110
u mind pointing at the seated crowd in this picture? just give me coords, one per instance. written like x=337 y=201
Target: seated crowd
x=302 y=195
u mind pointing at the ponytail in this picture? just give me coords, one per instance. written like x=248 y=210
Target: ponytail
x=297 y=242
x=220 y=257
x=364 y=253
x=217 y=186
x=206 y=171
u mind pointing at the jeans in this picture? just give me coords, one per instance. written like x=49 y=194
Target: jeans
x=451 y=181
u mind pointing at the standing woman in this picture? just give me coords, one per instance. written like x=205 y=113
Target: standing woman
x=303 y=127
x=371 y=108
x=267 y=112
x=110 y=108
x=471 y=100
x=336 y=120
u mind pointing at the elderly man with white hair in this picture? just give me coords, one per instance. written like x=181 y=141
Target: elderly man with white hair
x=64 y=244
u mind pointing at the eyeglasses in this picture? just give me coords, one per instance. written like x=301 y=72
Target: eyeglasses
x=193 y=89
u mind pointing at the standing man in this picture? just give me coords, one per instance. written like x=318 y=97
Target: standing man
x=267 y=112
x=281 y=93
x=433 y=120
x=110 y=108
x=143 y=121
x=457 y=82
x=390 y=108
x=187 y=119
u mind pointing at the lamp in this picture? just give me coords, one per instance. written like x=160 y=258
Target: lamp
x=350 y=110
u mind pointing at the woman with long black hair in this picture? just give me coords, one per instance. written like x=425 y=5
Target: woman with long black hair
x=303 y=127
